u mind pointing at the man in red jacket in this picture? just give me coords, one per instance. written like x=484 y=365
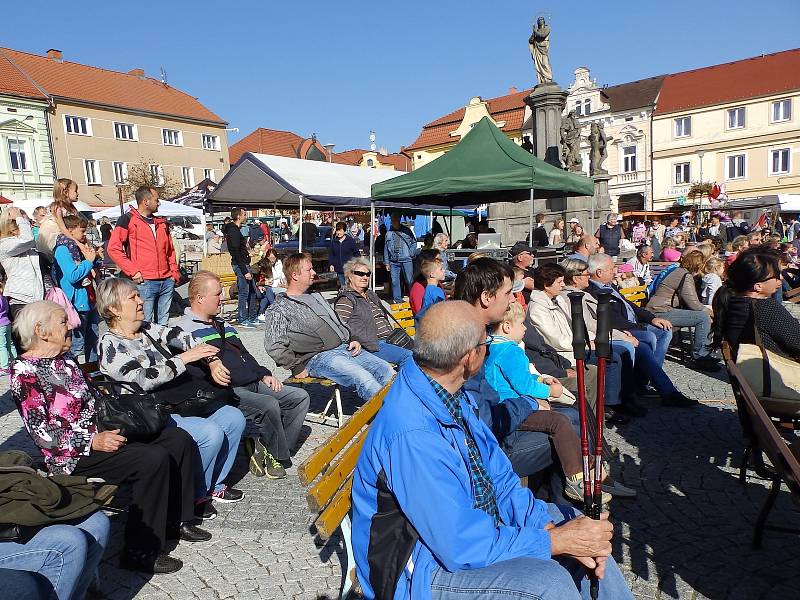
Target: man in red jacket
x=142 y=248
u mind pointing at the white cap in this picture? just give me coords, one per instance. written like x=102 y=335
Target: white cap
x=574 y=220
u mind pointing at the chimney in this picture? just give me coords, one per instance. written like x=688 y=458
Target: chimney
x=512 y=90
x=136 y=72
x=54 y=54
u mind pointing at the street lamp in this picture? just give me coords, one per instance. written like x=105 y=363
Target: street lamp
x=19 y=161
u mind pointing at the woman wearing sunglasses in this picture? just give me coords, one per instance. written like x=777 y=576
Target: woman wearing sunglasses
x=363 y=313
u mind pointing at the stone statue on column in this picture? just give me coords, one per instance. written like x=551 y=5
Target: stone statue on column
x=571 y=142
x=539 y=45
x=597 y=149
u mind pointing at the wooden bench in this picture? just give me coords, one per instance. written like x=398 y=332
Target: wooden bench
x=637 y=295
x=403 y=317
x=764 y=440
x=328 y=476
x=334 y=401
x=792 y=295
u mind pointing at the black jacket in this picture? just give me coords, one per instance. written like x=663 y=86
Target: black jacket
x=237 y=246
x=544 y=357
x=619 y=314
x=540 y=237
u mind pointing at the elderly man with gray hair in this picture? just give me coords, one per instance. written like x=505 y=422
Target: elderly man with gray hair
x=437 y=509
x=610 y=233
x=441 y=243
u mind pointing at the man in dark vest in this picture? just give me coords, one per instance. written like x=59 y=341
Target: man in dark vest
x=610 y=234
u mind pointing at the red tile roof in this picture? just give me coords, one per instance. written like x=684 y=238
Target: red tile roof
x=740 y=80
x=13 y=82
x=83 y=83
x=509 y=108
x=286 y=143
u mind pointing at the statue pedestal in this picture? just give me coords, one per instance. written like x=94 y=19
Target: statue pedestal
x=547 y=102
x=601 y=201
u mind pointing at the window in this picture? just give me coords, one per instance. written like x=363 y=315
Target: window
x=77 y=125
x=92 y=170
x=370 y=162
x=736 y=118
x=188 y=177
x=587 y=106
x=120 y=172
x=629 y=159
x=683 y=126
x=682 y=173
x=782 y=110
x=628 y=119
x=157 y=174
x=124 y=131
x=210 y=142
x=208 y=174
x=779 y=161
x=736 y=166
x=16 y=152
x=578 y=108
x=172 y=137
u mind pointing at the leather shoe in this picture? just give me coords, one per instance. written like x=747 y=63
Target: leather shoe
x=192 y=533
x=679 y=400
x=708 y=364
x=631 y=407
x=615 y=417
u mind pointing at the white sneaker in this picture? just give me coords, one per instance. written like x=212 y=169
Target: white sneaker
x=262 y=318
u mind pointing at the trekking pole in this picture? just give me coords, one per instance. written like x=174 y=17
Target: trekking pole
x=579 y=349
x=602 y=344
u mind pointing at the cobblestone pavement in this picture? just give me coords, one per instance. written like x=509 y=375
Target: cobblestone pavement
x=687 y=535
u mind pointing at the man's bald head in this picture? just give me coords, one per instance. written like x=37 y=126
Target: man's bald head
x=446 y=333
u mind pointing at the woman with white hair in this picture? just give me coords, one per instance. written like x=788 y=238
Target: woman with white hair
x=442 y=242
x=58 y=408
x=20 y=260
x=363 y=313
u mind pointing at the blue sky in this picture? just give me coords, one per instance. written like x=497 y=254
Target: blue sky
x=343 y=68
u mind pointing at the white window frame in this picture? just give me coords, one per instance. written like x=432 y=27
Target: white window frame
x=214 y=141
x=96 y=178
x=785 y=118
x=120 y=170
x=587 y=106
x=208 y=174
x=685 y=119
x=157 y=174
x=728 y=114
x=626 y=157
x=133 y=129
x=579 y=108
x=87 y=121
x=20 y=151
x=187 y=174
x=178 y=135
x=728 y=164
x=686 y=173
x=771 y=159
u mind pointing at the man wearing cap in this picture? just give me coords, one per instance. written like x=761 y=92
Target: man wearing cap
x=573 y=222
x=522 y=258
x=610 y=234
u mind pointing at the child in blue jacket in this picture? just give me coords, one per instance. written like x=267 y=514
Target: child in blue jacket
x=433 y=271
x=510 y=373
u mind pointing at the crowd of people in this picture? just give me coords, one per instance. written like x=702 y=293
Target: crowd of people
x=485 y=396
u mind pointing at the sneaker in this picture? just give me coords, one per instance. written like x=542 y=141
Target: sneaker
x=262 y=318
x=616 y=489
x=205 y=510
x=256 y=453
x=274 y=469
x=227 y=495
x=647 y=390
x=679 y=400
x=574 y=489
x=615 y=416
x=245 y=324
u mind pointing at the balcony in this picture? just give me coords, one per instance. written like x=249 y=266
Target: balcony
x=632 y=177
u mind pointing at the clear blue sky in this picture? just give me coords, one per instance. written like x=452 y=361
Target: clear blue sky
x=341 y=68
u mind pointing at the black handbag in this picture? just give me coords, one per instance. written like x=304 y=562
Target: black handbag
x=399 y=337
x=125 y=406
x=189 y=396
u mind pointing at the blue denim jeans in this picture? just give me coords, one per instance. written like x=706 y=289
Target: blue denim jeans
x=702 y=328
x=84 y=338
x=527 y=578
x=656 y=338
x=67 y=554
x=647 y=369
x=366 y=372
x=407 y=268
x=265 y=298
x=157 y=298
x=248 y=303
x=393 y=354
x=217 y=437
x=614 y=369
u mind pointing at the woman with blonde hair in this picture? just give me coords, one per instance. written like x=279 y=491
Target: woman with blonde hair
x=556 y=237
x=65 y=193
x=20 y=260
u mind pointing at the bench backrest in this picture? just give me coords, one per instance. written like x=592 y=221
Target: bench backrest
x=328 y=472
x=404 y=317
x=637 y=294
x=765 y=434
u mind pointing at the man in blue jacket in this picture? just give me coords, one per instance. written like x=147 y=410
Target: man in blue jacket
x=437 y=509
x=399 y=250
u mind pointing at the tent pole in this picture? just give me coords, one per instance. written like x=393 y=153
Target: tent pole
x=300 y=229
x=451 y=220
x=205 y=247
x=530 y=221
x=372 y=241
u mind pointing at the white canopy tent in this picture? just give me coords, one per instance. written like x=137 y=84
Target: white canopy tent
x=165 y=209
x=30 y=204
x=264 y=180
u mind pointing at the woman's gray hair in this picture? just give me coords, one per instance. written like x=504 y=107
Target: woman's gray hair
x=573 y=266
x=438 y=239
x=110 y=294
x=440 y=342
x=358 y=261
x=37 y=313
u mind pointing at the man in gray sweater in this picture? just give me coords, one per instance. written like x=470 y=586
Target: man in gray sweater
x=306 y=336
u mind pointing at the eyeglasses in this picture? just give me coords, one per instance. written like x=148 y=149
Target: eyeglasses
x=581 y=273
x=362 y=273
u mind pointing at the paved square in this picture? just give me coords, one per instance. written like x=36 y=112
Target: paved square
x=686 y=535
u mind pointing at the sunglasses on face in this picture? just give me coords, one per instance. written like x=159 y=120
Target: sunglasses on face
x=362 y=273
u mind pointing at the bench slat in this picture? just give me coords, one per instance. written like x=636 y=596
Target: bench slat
x=332 y=516
x=403 y=314
x=326 y=453
x=320 y=493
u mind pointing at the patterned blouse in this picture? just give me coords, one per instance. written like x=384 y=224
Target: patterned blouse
x=57 y=408
x=139 y=361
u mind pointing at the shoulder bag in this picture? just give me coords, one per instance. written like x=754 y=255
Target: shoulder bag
x=186 y=395
x=125 y=406
x=398 y=336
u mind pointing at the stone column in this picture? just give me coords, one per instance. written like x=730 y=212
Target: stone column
x=547 y=103
x=601 y=202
